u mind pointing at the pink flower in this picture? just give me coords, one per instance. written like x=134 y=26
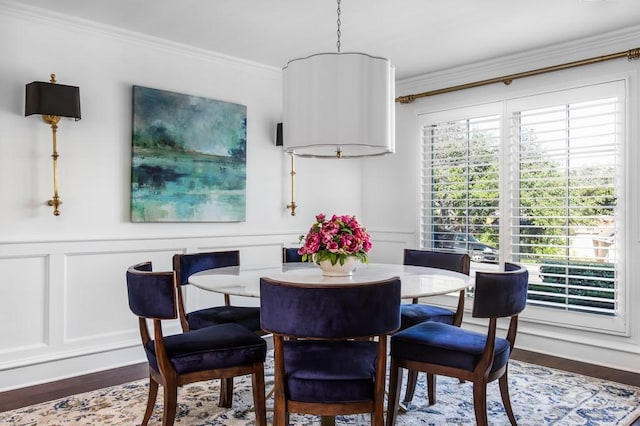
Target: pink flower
x=335 y=239
x=333 y=247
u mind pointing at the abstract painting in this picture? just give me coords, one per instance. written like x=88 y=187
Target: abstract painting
x=188 y=158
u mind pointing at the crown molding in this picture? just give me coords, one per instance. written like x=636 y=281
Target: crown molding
x=602 y=44
x=55 y=19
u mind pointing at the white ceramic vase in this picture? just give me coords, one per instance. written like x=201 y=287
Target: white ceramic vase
x=339 y=270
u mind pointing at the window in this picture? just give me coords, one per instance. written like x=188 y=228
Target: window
x=460 y=187
x=538 y=180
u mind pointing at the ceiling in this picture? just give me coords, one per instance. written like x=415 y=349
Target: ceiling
x=418 y=36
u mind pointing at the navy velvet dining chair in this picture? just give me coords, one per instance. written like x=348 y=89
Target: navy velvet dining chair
x=220 y=351
x=415 y=313
x=290 y=254
x=444 y=349
x=186 y=265
x=330 y=346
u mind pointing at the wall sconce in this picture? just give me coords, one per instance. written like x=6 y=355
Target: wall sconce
x=53 y=101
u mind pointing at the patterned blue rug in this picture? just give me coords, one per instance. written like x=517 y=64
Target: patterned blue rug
x=539 y=395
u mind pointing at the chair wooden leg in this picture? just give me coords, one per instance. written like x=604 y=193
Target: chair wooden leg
x=280 y=415
x=151 y=401
x=377 y=420
x=328 y=420
x=377 y=416
x=393 y=400
x=412 y=380
x=431 y=388
x=480 y=403
x=226 y=393
x=170 y=403
x=259 y=399
x=506 y=401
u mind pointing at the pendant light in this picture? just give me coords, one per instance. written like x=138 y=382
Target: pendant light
x=339 y=105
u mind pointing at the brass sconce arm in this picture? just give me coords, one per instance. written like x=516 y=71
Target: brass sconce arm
x=55 y=202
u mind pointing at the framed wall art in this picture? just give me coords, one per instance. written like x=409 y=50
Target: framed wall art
x=188 y=158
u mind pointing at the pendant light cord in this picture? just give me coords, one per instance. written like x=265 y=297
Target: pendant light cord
x=338 y=22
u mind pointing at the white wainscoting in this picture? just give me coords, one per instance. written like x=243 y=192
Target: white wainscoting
x=64 y=306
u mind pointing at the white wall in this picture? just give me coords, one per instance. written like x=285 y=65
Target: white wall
x=397 y=178
x=63 y=307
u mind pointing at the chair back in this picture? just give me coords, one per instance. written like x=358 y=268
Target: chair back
x=456 y=262
x=186 y=265
x=501 y=294
x=330 y=311
x=151 y=294
x=290 y=254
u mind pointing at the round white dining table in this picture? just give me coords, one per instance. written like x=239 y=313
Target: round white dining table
x=416 y=281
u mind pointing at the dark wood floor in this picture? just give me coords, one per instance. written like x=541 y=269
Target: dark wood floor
x=46 y=392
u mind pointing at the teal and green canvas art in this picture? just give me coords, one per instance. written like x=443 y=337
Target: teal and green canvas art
x=188 y=158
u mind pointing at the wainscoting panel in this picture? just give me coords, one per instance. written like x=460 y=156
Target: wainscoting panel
x=24 y=302
x=96 y=304
x=389 y=246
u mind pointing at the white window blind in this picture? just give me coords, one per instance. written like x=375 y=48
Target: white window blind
x=460 y=187
x=566 y=195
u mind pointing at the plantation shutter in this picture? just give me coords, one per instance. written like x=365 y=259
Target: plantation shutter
x=566 y=196
x=460 y=186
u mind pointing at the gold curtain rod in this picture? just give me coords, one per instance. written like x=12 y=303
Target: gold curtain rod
x=507 y=79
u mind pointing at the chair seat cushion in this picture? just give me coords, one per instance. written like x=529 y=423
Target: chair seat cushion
x=218 y=346
x=330 y=371
x=444 y=344
x=246 y=316
x=415 y=313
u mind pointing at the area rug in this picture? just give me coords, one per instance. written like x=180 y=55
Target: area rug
x=539 y=396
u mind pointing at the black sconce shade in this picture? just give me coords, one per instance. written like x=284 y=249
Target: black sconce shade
x=279 y=134
x=52 y=99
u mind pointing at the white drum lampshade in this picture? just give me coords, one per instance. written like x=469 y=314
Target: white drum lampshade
x=339 y=105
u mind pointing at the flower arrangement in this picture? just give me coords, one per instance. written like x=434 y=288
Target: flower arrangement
x=335 y=239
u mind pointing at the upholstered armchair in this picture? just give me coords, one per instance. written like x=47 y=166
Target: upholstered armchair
x=415 y=313
x=186 y=265
x=220 y=351
x=444 y=349
x=330 y=346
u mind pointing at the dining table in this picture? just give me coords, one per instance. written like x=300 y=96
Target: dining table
x=416 y=281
